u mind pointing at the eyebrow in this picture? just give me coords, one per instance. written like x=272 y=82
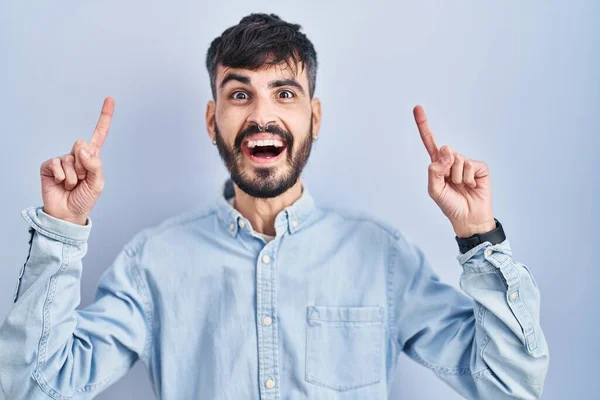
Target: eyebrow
x=232 y=76
x=286 y=82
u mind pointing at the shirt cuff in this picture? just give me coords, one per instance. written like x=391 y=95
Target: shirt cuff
x=63 y=231
x=497 y=255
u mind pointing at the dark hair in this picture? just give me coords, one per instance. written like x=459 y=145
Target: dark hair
x=260 y=39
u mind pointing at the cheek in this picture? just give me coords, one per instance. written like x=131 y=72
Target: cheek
x=230 y=124
x=298 y=124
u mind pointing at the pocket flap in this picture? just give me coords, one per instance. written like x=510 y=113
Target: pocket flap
x=345 y=314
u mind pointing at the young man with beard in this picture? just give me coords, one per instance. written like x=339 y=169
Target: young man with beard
x=266 y=295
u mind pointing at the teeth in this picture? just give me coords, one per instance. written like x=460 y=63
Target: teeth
x=267 y=142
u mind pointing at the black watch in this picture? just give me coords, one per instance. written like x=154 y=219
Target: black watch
x=494 y=236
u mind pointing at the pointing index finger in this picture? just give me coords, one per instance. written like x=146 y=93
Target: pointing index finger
x=426 y=133
x=103 y=123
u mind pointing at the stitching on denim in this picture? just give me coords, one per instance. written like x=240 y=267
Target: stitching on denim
x=527 y=325
x=65 y=251
x=390 y=291
x=92 y=386
x=176 y=221
x=481 y=374
x=436 y=368
x=149 y=315
x=463 y=258
x=275 y=318
x=343 y=387
x=51 y=234
x=41 y=381
x=481 y=312
x=484 y=343
x=355 y=384
x=359 y=324
x=358 y=216
x=39 y=378
x=486 y=338
x=259 y=294
x=38 y=375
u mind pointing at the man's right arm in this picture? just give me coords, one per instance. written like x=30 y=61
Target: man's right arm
x=48 y=349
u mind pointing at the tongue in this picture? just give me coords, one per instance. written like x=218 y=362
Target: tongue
x=264 y=153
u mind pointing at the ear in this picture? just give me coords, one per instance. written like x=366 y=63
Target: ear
x=210 y=119
x=316 y=116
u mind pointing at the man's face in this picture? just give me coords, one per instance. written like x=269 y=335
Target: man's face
x=263 y=163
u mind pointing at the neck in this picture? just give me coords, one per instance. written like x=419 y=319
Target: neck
x=262 y=212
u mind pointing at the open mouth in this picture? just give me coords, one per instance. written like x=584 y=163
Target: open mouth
x=264 y=150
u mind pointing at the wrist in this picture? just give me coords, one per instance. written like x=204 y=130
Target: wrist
x=74 y=220
x=468 y=230
x=81 y=222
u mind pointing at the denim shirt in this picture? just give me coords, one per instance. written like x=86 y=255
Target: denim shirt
x=320 y=312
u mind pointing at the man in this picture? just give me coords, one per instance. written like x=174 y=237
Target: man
x=265 y=295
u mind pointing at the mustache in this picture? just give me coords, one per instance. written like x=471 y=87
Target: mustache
x=287 y=137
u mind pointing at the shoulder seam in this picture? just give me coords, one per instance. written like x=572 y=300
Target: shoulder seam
x=359 y=216
x=187 y=217
x=149 y=305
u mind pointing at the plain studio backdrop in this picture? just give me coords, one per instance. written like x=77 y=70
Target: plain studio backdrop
x=515 y=84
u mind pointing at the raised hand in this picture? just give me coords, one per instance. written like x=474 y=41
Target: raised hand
x=458 y=185
x=72 y=183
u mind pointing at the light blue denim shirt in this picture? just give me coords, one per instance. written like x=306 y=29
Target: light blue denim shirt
x=320 y=312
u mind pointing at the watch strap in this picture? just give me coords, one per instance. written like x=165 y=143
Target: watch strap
x=494 y=236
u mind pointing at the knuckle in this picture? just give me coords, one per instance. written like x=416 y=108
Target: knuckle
x=430 y=190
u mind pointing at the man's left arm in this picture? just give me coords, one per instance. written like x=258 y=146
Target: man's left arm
x=487 y=345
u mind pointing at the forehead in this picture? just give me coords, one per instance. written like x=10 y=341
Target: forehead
x=266 y=73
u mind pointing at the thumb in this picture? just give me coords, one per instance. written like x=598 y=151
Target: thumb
x=437 y=171
x=91 y=162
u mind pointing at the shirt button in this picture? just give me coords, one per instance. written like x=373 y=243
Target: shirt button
x=267 y=321
x=513 y=296
x=488 y=251
x=270 y=383
x=294 y=223
x=266 y=259
x=241 y=224
x=232 y=227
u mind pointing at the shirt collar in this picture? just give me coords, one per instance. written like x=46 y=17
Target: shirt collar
x=291 y=218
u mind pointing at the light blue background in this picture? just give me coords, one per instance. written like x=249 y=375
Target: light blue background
x=515 y=84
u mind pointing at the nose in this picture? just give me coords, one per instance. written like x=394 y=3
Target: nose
x=262 y=114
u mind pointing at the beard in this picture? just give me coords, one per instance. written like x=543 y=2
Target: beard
x=267 y=182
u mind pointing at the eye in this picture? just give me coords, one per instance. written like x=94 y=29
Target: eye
x=239 y=95
x=286 y=94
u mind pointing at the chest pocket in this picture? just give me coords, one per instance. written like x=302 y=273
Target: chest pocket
x=343 y=346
